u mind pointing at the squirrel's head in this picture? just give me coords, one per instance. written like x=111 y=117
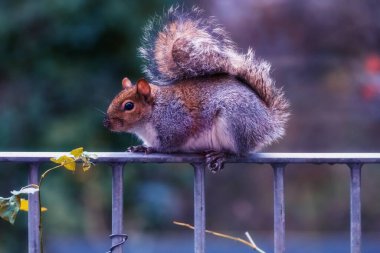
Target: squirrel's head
x=130 y=107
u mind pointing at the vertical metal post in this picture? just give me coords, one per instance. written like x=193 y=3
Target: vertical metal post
x=117 y=208
x=199 y=208
x=355 y=204
x=279 y=208
x=34 y=245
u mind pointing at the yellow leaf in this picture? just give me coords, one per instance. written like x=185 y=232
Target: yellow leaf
x=70 y=166
x=66 y=161
x=55 y=160
x=24 y=206
x=86 y=166
x=77 y=152
x=59 y=160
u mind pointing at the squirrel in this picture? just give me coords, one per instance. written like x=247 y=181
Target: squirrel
x=200 y=95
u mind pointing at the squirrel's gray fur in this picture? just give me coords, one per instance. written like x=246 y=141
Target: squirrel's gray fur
x=183 y=48
x=249 y=124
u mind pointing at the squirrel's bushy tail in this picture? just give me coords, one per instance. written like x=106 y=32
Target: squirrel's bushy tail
x=181 y=45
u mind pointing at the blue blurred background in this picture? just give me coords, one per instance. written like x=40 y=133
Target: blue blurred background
x=61 y=61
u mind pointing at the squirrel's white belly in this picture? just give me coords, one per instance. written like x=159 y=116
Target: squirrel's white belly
x=217 y=138
x=148 y=134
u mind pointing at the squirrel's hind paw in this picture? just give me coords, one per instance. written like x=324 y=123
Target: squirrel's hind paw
x=141 y=149
x=215 y=161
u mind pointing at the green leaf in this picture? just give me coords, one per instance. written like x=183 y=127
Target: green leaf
x=9 y=208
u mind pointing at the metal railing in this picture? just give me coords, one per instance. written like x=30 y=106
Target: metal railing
x=278 y=161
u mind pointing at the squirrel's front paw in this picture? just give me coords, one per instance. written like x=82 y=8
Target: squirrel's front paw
x=140 y=149
x=215 y=161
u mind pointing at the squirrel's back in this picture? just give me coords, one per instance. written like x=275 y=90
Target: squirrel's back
x=188 y=46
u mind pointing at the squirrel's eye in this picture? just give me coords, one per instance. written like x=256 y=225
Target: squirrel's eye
x=128 y=106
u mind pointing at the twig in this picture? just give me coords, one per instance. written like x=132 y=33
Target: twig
x=249 y=244
x=253 y=243
x=40 y=201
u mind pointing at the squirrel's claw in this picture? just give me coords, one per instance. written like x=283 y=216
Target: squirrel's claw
x=215 y=161
x=140 y=149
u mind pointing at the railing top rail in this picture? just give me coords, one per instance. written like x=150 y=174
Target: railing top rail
x=125 y=157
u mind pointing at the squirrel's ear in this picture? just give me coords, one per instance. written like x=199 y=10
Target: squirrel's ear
x=126 y=83
x=143 y=88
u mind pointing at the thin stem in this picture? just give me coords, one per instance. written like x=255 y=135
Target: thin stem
x=49 y=170
x=221 y=235
x=40 y=224
x=253 y=243
x=27 y=186
x=39 y=197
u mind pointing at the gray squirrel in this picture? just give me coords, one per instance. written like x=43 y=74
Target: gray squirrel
x=202 y=94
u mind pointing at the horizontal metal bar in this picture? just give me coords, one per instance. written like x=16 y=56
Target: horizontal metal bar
x=124 y=157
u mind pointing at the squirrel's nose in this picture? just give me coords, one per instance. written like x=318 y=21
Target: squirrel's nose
x=106 y=122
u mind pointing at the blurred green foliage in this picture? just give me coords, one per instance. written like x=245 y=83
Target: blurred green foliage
x=61 y=62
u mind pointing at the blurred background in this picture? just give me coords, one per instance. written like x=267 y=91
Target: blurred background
x=62 y=61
